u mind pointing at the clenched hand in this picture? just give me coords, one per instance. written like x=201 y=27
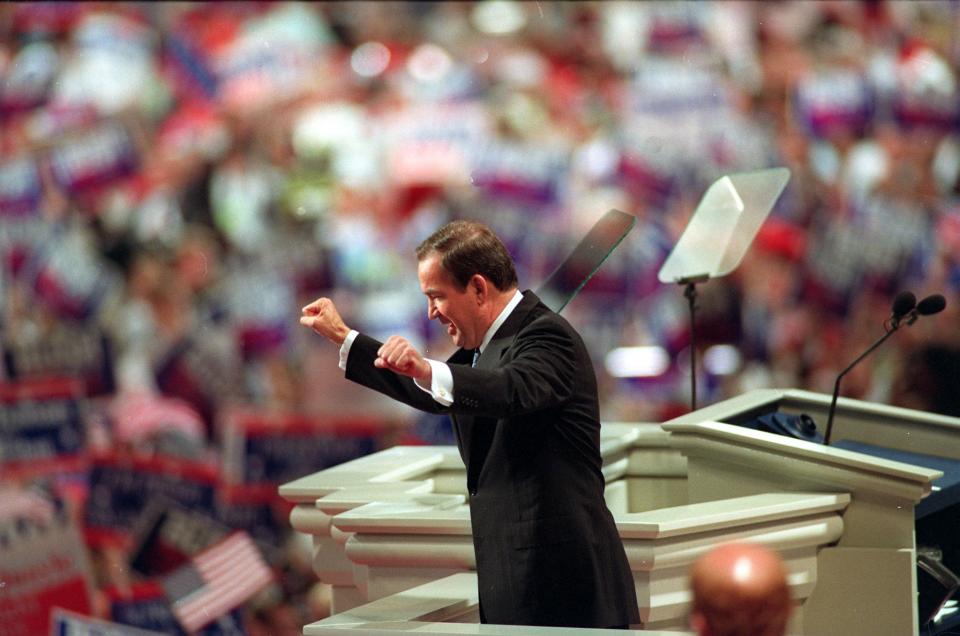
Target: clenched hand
x=322 y=316
x=401 y=357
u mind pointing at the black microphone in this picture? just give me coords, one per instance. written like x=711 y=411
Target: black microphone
x=931 y=305
x=905 y=309
x=903 y=304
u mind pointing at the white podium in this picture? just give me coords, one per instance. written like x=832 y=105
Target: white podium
x=392 y=530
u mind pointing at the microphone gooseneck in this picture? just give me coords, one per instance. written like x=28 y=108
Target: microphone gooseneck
x=905 y=310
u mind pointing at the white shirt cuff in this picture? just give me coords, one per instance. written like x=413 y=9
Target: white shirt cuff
x=441 y=383
x=345 y=348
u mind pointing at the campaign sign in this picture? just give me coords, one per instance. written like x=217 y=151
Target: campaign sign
x=276 y=55
x=45 y=17
x=834 y=100
x=41 y=427
x=66 y=623
x=925 y=93
x=19 y=237
x=94 y=158
x=267 y=449
x=673 y=110
x=121 y=486
x=168 y=535
x=20 y=187
x=525 y=173
x=432 y=144
x=259 y=302
x=146 y=606
x=937 y=110
x=256 y=75
x=82 y=351
x=68 y=273
x=42 y=566
x=28 y=78
x=257 y=511
x=647 y=179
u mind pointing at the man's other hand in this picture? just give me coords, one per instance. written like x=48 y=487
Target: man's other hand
x=322 y=316
x=401 y=357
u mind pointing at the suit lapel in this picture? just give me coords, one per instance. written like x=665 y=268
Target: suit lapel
x=480 y=431
x=503 y=338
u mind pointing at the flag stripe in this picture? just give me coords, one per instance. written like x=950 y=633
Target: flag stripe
x=220 y=605
x=229 y=583
x=242 y=564
x=232 y=571
x=233 y=549
x=218 y=602
x=222 y=594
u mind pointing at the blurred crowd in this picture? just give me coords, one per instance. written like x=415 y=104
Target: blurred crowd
x=178 y=179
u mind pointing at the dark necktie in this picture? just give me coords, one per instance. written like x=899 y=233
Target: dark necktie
x=476 y=356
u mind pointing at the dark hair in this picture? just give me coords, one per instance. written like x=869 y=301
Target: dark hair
x=467 y=248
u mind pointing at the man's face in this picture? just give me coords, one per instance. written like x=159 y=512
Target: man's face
x=457 y=309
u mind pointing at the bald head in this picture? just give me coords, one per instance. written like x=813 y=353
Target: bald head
x=739 y=590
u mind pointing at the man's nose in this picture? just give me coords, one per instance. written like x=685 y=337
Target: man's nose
x=431 y=310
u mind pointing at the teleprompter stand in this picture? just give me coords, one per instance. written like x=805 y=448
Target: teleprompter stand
x=718 y=235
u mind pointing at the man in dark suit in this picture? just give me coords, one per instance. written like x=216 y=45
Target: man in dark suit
x=522 y=394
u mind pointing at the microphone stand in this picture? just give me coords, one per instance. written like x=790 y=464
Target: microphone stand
x=836 y=385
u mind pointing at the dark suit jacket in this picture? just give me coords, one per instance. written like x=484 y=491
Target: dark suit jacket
x=528 y=428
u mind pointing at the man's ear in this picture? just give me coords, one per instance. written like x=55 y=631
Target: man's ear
x=479 y=284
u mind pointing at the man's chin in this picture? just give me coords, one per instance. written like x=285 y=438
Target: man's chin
x=455 y=336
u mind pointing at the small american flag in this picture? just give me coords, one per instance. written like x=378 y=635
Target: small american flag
x=217 y=580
